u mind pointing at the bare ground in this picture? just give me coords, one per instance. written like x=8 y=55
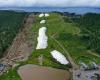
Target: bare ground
x=34 y=72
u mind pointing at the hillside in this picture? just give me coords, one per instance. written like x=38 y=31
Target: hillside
x=90 y=34
x=64 y=35
x=10 y=24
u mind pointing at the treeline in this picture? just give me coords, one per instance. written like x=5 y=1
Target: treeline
x=90 y=26
x=10 y=23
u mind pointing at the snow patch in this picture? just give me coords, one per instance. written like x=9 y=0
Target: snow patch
x=42 y=39
x=47 y=15
x=41 y=15
x=42 y=21
x=59 y=57
x=44 y=15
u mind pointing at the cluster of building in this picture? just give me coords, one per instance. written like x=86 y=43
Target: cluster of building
x=87 y=72
x=93 y=66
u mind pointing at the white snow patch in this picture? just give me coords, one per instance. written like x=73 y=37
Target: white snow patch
x=59 y=57
x=44 y=15
x=42 y=21
x=41 y=15
x=47 y=15
x=42 y=39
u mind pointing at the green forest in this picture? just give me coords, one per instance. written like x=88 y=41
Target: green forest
x=10 y=24
x=90 y=34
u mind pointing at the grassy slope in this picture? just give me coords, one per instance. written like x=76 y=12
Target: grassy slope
x=53 y=23
x=11 y=75
x=65 y=33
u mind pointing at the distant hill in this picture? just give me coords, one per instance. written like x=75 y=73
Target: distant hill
x=78 y=10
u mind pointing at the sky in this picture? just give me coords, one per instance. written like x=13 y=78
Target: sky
x=50 y=3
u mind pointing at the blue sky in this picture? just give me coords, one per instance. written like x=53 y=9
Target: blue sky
x=50 y=3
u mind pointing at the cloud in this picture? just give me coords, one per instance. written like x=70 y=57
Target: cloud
x=52 y=3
